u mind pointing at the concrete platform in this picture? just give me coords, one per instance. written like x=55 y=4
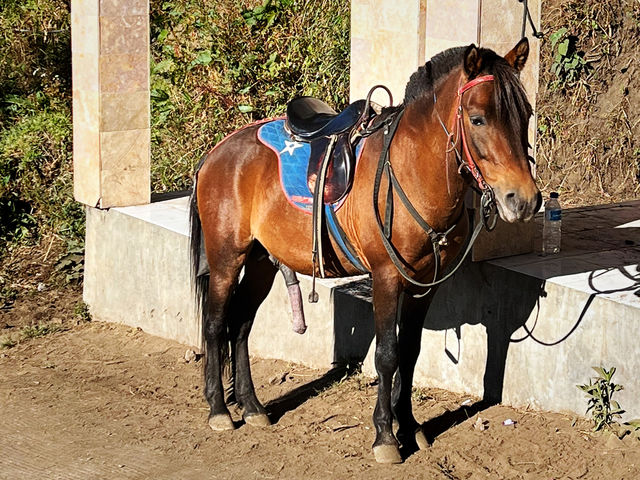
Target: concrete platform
x=523 y=329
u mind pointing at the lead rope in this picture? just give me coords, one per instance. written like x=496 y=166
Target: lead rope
x=526 y=14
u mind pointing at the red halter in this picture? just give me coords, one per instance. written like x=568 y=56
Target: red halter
x=471 y=164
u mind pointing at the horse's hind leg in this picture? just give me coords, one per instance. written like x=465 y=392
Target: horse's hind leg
x=226 y=266
x=256 y=283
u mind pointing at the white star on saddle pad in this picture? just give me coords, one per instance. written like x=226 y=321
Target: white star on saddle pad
x=290 y=147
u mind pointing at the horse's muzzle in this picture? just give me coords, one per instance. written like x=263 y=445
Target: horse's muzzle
x=515 y=207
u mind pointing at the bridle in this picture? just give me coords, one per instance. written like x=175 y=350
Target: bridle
x=465 y=160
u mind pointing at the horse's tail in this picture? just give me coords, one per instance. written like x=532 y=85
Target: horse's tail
x=196 y=250
x=200 y=271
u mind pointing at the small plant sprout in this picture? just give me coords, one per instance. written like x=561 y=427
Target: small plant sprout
x=600 y=391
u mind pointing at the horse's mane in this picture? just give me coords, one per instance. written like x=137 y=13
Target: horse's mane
x=512 y=105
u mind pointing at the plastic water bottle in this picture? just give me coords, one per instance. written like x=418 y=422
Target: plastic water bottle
x=552 y=228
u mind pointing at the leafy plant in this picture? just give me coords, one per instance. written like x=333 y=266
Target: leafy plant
x=81 y=312
x=604 y=410
x=35 y=331
x=263 y=16
x=567 y=62
x=71 y=263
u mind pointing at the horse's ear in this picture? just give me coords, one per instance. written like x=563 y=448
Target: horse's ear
x=472 y=61
x=518 y=56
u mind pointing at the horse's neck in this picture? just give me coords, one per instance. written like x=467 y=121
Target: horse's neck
x=437 y=187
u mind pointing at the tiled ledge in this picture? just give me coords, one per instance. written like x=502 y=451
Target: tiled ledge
x=600 y=253
x=600 y=246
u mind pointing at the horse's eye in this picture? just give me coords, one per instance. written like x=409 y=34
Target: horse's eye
x=478 y=121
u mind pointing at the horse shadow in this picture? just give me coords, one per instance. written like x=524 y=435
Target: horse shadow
x=504 y=301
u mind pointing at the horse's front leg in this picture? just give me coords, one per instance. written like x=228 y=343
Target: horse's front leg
x=413 y=312
x=386 y=289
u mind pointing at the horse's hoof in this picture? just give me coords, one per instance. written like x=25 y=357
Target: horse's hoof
x=221 y=422
x=258 y=420
x=421 y=440
x=387 y=454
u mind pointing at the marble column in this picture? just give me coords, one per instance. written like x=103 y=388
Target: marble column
x=111 y=107
x=387 y=45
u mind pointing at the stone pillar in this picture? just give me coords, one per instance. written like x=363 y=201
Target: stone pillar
x=387 y=45
x=111 y=106
x=451 y=23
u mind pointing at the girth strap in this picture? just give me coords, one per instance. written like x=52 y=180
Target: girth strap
x=342 y=240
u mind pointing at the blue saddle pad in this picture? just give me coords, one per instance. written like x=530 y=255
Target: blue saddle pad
x=293 y=161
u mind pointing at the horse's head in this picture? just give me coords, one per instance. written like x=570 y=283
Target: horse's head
x=495 y=119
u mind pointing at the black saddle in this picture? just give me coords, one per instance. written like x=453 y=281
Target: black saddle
x=309 y=118
x=312 y=121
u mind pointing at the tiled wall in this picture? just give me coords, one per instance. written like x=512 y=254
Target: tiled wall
x=386 y=45
x=390 y=40
x=110 y=46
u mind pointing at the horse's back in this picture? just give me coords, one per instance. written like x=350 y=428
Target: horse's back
x=240 y=199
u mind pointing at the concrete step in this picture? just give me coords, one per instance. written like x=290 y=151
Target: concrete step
x=524 y=329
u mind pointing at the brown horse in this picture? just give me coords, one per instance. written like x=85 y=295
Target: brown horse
x=463 y=123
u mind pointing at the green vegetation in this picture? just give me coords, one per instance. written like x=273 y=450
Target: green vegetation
x=35 y=122
x=568 y=64
x=28 y=332
x=216 y=65
x=604 y=410
x=220 y=65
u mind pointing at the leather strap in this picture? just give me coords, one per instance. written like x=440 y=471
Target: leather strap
x=317 y=217
x=384 y=166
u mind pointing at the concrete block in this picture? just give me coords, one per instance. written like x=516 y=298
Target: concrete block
x=137 y=274
x=517 y=329
x=339 y=327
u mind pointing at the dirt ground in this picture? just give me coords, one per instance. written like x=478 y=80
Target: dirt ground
x=95 y=400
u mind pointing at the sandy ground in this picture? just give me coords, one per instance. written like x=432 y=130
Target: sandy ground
x=104 y=401
x=107 y=401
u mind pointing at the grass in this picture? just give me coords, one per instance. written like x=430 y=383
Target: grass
x=216 y=65
x=28 y=332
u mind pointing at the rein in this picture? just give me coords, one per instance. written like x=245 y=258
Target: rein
x=438 y=240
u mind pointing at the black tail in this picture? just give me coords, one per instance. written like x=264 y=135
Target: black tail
x=199 y=274
x=200 y=282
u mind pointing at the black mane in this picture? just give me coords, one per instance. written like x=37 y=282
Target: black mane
x=512 y=105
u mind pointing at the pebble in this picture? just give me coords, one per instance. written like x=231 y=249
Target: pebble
x=190 y=356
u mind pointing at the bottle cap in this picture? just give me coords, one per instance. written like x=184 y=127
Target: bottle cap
x=554 y=195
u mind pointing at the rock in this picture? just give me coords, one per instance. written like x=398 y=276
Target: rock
x=278 y=378
x=481 y=424
x=190 y=356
